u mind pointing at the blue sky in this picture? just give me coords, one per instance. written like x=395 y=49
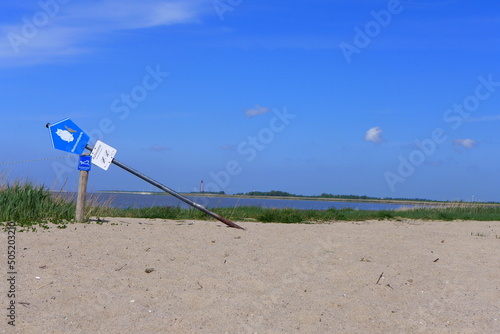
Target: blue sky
x=378 y=98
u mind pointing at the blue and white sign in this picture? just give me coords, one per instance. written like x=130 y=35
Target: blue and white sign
x=67 y=136
x=84 y=162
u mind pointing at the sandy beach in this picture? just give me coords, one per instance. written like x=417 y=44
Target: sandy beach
x=164 y=276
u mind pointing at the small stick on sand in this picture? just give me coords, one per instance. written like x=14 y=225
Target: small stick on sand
x=43 y=286
x=380 y=277
x=121 y=267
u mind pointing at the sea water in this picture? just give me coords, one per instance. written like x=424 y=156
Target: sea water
x=125 y=200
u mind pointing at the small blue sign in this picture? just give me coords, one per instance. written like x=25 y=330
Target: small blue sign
x=84 y=162
x=67 y=136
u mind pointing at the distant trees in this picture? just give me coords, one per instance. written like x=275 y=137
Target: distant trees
x=344 y=196
x=286 y=194
x=209 y=192
x=270 y=193
x=278 y=193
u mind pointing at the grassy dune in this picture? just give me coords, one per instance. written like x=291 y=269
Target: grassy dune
x=28 y=204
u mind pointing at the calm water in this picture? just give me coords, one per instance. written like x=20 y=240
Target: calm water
x=139 y=201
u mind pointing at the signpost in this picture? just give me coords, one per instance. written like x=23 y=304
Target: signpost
x=102 y=155
x=67 y=136
x=84 y=168
x=84 y=163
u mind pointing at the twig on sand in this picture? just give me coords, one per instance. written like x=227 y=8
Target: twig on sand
x=380 y=277
x=43 y=286
x=121 y=267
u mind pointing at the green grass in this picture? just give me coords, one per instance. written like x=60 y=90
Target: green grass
x=28 y=205
x=287 y=215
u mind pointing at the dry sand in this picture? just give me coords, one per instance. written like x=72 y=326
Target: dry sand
x=271 y=278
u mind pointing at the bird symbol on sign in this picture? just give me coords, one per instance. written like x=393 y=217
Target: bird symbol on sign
x=70 y=129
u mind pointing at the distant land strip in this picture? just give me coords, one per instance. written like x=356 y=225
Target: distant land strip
x=330 y=198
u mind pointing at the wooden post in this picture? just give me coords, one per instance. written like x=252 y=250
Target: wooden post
x=82 y=192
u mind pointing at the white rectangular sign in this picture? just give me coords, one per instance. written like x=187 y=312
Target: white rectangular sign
x=102 y=155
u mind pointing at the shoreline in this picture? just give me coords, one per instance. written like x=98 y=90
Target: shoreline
x=305 y=198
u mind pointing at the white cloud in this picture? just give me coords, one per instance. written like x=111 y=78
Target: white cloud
x=258 y=110
x=73 y=28
x=228 y=147
x=373 y=135
x=160 y=148
x=466 y=143
x=131 y=14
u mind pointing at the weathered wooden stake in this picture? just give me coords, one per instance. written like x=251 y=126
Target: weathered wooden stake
x=82 y=192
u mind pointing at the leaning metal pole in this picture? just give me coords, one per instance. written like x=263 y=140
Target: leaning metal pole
x=172 y=192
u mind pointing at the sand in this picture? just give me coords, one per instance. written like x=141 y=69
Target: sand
x=438 y=277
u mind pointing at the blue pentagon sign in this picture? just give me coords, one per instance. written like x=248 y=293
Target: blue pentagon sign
x=84 y=162
x=67 y=136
